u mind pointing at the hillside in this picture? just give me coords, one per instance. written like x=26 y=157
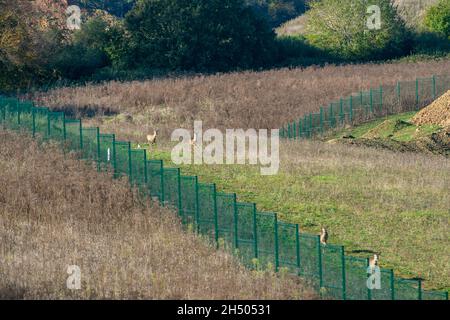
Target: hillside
x=372 y=190
x=266 y=99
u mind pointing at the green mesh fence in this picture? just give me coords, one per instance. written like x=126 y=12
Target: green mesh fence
x=367 y=105
x=227 y=219
x=206 y=217
x=356 y=279
x=106 y=144
x=258 y=238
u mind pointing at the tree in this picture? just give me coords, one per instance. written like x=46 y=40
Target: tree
x=340 y=27
x=277 y=11
x=437 y=18
x=202 y=35
x=29 y=33
x=101 y=41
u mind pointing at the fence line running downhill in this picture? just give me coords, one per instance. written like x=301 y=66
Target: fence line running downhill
x=368 y=105
x=258 y=238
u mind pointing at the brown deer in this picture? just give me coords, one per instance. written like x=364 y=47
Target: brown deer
x=151 y=138
x=373 y=261
x=324 y=236
x=193 y=140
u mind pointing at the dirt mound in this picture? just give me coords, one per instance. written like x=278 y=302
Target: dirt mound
x=436 y=143
x=437 y=113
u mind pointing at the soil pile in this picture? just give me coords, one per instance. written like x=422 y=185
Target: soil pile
x=437 y=113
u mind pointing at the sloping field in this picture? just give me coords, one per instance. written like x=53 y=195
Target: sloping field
x=365 y=196
x=238 y=100
x=372 y=200
x=56 y=211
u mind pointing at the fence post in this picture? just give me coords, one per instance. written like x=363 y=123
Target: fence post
x=305 y=126
x=381 y=99
x=341 y=111
x=235 y=213
x=197 y=205
x=351 y=109
x=64 y=126
x=98 y=149
x=33 y=116
x=255 y=231
x=179 y=190
x=310 y=125
x=81 y=136
x=319 y=255
x=18 y=111
x=277 y=257
x=216 y=218
x=419 y=297
x=297 y=247
x=392 y=282
x=330 y=111
x=369 y=293
x=321 y=120
x=300 y=128
x=434 y=87
x=113 y=155
x=371 y=99
x=398 y=93
x=48 y=124
x=417 y=93
x=344 y=281
x=294 y=130
x=145 y=168
x=163 y=191
x=130 y=165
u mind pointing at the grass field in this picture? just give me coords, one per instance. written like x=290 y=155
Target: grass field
x=56 y=211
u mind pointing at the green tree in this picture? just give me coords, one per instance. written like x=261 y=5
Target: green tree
x=277 y=11
x=101 y=42
x=340 y=27
x=437 y=18
x=28 y=37
x=203 y=35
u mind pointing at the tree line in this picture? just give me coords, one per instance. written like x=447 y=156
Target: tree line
x=136 y=38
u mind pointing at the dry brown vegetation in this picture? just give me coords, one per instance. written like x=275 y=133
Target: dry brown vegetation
x=56 y=211
x=236 y=100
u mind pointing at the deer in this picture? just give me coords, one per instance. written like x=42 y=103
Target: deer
x=193 y=140
x=324 y=236
x=151 y=138
x=373 y=261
